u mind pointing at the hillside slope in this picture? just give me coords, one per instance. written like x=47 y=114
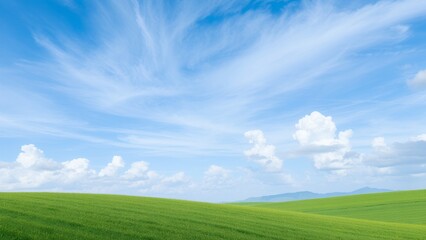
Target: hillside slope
x=401 y=207
x=91 y=216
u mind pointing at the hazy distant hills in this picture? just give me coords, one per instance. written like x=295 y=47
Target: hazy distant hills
x=310 y=195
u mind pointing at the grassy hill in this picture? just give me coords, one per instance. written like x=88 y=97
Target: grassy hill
x=94 y=216
x=401 y=207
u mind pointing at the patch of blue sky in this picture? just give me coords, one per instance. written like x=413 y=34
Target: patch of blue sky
x=178 y=83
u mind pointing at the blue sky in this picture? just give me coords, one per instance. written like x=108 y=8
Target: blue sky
x=212 y=100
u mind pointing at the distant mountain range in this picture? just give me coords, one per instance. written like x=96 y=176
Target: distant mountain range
x=310 y=195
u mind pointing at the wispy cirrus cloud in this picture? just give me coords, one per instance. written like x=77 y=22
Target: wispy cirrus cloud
x=183 y=80
x=161 y=64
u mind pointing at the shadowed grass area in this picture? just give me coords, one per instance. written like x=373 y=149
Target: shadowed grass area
x=400 y=207
x=95 y=216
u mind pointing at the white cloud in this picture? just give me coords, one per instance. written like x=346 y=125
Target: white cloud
x=137 y=170
x=114 y=77
x=32 y=157
x=315 y=129
x=32 y=170
x=406 y=153
x=421 y=137
x=76 y=170
x=316 y=135
x=419 y=80
x=112 y=167
x=137 y=41
x=319 y=130
x=262 y=153
x=78 y=165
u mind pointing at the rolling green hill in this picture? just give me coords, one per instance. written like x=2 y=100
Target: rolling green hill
x=401 y=207
x=95 y=216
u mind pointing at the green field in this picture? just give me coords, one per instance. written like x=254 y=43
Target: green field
x=94 y=216
x=399 y=207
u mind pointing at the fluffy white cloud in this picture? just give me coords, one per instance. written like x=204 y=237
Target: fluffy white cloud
x=419 y=80
x=262 y=153
x=32 y=157
x=32 y=170
x=79 y=165
x=76 y=170
x=317 y=129
x=112 y=167
x=137 y=170
x=316 y=135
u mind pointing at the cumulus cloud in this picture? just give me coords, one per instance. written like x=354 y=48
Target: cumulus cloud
x=317 y=136
x=411 y=152
x=79 y=165
x=317 y=129
x=32 y=170
x=32 y=157
x=419 y=80
x=262 y=153
x=331 y=151
x=76 y=170
x=137 y=170
x=112 y=167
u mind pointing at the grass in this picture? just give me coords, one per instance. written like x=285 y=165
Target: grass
x=95 y=216
x=400 y=207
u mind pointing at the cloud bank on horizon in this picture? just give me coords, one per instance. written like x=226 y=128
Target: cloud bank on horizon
x=260 y=96
x=315 y=133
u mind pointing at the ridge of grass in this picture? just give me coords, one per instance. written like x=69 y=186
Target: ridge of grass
x=97 y=216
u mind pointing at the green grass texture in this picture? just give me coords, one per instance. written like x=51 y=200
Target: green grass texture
x=399 y=207
x=97 y=216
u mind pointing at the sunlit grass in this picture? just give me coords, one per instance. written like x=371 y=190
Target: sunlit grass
x=92 y=216
x=401 y=207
